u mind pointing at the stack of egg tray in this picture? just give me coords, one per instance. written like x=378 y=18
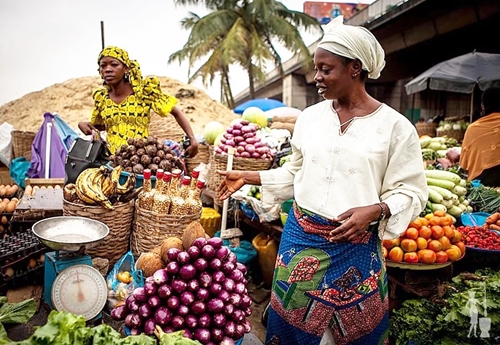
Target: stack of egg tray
x=21 y=259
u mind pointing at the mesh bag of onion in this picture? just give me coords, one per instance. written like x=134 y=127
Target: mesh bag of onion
x=202 y=291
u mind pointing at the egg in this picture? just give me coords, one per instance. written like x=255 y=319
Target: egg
x=6 y=200
x=57 y=186
x=3 y=192
x=15 y=188
x=4 y=220
x=2 y=207
x=50 y=187
x=11 y=206
x=28 y=190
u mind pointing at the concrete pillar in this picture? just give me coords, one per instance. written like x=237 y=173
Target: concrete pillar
x=295 y=91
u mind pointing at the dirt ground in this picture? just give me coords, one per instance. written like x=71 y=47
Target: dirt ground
x=72 y=100
x=20 y=332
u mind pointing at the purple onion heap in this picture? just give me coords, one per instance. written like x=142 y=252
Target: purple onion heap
x=203 y=291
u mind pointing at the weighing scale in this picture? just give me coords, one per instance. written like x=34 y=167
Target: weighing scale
x=71 y=283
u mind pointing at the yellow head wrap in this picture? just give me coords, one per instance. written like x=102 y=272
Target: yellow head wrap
x=354 y=42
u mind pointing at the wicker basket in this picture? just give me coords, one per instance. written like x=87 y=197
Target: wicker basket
x=21 y=142
x=151 y=228
x=165 y=128
x=119 y=222
x=27 y=155
x=203 y=156
x=457 y=134
x=219 y=162
x=426 y=129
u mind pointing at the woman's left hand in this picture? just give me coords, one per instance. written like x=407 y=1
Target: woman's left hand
x=192 y=150
x=355 y=222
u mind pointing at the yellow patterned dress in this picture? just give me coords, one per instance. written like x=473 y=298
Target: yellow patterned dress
x=131 y=117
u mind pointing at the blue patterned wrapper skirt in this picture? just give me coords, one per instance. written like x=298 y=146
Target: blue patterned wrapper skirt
x=319 y=286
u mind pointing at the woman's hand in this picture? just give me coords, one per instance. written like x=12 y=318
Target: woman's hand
x=192 y=150
x=355 y=222
x=233 y=181
x=87 y=128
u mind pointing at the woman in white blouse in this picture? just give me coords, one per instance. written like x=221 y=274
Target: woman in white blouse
x=357 y=177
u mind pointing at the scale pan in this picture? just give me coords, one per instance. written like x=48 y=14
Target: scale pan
x=70 y=233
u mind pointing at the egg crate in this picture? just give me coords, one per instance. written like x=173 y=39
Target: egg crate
x=24 y=276
x=16 y=248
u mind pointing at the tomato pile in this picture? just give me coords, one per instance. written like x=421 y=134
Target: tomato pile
x=478 y=237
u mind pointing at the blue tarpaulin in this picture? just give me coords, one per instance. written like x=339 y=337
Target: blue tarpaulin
x=66 y=133
x=49 y=150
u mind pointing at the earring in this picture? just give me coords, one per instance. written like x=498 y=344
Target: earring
x=354 y=75
x=126 y=78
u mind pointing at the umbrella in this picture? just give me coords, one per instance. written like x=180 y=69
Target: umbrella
x=282 y=111
x=460 y=74
x=262 y=103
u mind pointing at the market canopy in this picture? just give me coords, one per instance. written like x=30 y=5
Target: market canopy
x=264 y=104
x=460 y=74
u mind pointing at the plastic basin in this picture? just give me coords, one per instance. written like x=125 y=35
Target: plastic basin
x=469 y=219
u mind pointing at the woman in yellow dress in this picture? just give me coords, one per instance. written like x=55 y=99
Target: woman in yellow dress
x=122 y=107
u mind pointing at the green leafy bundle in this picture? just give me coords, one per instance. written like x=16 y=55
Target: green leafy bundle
x=422 y=322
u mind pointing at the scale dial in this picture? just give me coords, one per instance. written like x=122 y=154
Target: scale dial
x=80 y=290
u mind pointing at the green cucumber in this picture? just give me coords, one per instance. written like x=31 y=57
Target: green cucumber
x=440 y=183
x=444 y=192
x=443 y=175
x=434 y=196
x=438 y=207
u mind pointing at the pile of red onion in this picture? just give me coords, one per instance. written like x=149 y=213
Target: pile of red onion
x=202 y=291
x=243 y=137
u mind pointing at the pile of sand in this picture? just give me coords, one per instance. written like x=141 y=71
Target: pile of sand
x=72 y=100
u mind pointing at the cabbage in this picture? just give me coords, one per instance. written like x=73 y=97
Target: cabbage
x=212 y=130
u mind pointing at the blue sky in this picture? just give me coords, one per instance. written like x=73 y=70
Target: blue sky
x=44 y=42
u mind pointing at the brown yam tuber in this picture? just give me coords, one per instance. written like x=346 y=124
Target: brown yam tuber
x=193 y=231
x=166 y=244
x=283 y=125
x=285 y=119
x=149 y=263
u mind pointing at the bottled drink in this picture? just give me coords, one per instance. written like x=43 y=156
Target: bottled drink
x=174 y=184
x=146 y=196
x=180 y=202
x=195 y=197
x=159 y=179
x=162 y=201
x=194 y=178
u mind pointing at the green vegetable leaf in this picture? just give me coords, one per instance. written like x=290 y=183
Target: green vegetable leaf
x=62 y=328
x=17 y=312
x=3 y=336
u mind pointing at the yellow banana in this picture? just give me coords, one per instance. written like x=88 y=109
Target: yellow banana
x=96 y=186
x=83 y=186
x=108 y=188
x=127 y=186
x=69 y=192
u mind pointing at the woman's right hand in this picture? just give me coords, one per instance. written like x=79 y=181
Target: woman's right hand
x=87 y=128
x=233 y=181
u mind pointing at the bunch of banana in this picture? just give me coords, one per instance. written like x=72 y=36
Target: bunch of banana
x=90 y=186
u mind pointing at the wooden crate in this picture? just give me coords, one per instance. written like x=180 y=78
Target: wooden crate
x=5 y=176
x=44 y=182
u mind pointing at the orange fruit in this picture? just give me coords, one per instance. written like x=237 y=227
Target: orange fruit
x=384 y=252
x=424 y=221
x=425 y=232
x=421 y=243
x=439 y=213
x=445 y=242
x=435 y=220
x=447 y=220
x=441 y=256
x=426 y=256
x=411 y=257
x=454 y=253
x=461 y=246
x=395 y=254
x=437 y=232
x=457 y=236
x=434 y=245
x=411 y=233
x=389 y=244
x=448 y=231
x=408 y=245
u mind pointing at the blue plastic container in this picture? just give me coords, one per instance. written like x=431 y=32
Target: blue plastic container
x=139 y=179
x=479 y=218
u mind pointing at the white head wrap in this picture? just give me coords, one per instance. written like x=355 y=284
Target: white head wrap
x=354 y=42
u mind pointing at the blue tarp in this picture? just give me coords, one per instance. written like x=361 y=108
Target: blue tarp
x=66 y=133
x=58 y=149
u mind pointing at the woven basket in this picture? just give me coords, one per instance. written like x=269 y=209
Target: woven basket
x=203 y=156
x=165 y=128
x=426 y=129
x=151 y=228
x=27 y=155
x=119 y=222
x=458 y=134
x=219 y=162
x=21 y=142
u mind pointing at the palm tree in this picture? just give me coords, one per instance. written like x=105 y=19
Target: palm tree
x=245 y=33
